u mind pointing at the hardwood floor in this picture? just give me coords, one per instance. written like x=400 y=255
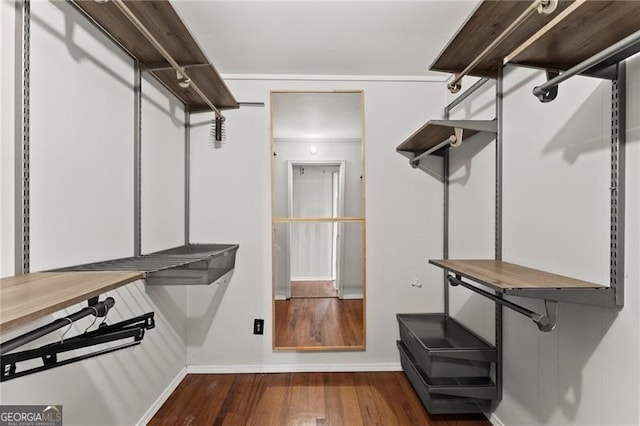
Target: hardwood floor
x=316 y=323
x=336 y=399
x=304 y=289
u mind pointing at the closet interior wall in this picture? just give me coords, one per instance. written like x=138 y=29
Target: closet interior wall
x=82 y=203
x=556 y=217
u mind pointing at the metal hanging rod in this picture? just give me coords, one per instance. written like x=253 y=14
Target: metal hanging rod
x=546 y=322
x=545 y=7
x=183 y=77
x=631 y=42
x=99 y=309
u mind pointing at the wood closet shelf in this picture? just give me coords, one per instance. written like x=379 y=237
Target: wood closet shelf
x=27 y=297
x=434 y=135
x=503 y=276
x=546 y=41
x=160 y=18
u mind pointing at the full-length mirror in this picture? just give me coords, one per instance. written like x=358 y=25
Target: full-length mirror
x=318 y=220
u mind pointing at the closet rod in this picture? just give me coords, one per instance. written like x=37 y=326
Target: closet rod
x=630 y=42
x=544 y=322
x=179 y=69
x=98 y=309
x=541 y=6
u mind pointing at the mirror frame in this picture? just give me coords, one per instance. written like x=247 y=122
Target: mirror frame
x=359 y=219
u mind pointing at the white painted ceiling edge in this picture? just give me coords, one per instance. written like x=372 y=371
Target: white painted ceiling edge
x=323 y=40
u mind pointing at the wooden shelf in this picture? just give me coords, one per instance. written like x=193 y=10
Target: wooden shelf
x=434 y=135
x=25 y=298
x=547 y=42
x=163 y=22
x=503 y=276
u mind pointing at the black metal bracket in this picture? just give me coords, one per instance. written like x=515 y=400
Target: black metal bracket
x=551 y=94
x=546 y=322
x=131 y=328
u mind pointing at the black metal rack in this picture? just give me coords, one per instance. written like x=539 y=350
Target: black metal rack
x=133 y=328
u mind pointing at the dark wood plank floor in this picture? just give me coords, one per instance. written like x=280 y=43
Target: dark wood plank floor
x=337 y=399
x=315 y=323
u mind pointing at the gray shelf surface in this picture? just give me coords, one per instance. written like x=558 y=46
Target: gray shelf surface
x=192 y=264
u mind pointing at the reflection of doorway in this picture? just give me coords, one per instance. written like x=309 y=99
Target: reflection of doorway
x=314 y=258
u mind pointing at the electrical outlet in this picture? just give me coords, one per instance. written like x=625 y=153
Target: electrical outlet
x=258 y=326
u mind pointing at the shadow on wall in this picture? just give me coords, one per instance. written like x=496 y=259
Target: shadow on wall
x=174 y=314
x=74 y=19
x=544 y=371
x=201 y=317
x=472 y=110
x=468 y=150
x=575 y=138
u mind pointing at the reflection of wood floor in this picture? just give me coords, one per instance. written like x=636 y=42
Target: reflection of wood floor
x=381 y=398
x=313 y=289
x=317 y=322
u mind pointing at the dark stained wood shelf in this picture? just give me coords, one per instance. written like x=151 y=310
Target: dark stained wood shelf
x=27 y=297
x=434 y=135
x=503 y=276
x=546 y=41
x=163 y=22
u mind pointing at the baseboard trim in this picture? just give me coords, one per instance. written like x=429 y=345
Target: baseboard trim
x=353 y=296
x=291 y=368
x=494 y=419
x=146 y=418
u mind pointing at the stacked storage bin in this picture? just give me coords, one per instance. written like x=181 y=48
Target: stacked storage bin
x=449 y=366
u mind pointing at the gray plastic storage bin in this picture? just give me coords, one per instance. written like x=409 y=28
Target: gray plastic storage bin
x=442 y=347
x=436 y=403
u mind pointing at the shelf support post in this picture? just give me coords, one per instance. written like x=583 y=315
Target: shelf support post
x=618 y=140
x=22 y=173
x=137 y=159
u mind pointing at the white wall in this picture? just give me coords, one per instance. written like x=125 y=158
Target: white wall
x=556 y=218
x=163 y=167
x=231 y=203
x=7 y=89
x=82 y=207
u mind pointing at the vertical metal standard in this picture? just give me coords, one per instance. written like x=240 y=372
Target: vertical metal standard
x=22 y=143
x=445 y=179
x=498 y=207
x=137 y=160
x=445 y=243
x=498 y=228
x=187 y=174
x=618 y=140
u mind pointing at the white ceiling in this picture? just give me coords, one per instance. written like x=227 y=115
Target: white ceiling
x=356 y=38
x=317 y=116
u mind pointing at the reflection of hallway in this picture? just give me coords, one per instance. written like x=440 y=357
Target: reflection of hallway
x=319 y=322
x=304 y=289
